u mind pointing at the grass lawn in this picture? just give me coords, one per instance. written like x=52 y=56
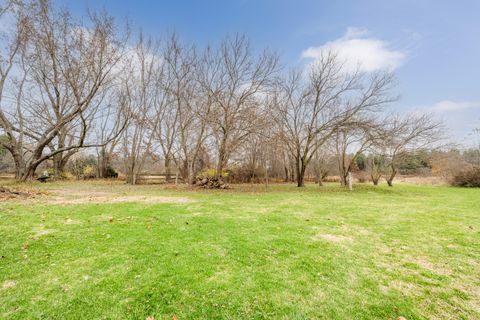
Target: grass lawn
x=316 y=253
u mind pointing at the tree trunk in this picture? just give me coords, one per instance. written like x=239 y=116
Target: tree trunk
x=29 y=173
x=59 y=164
x=300 y=173
x=191 y=176
x=131 y=173
x=103 y=163
x=391 y=177
x=168 y=172
x=20 y=167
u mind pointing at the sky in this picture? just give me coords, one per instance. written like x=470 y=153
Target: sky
x=433 y=46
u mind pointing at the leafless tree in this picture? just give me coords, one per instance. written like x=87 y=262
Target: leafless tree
x=66 y=65
x=109 y=124
x=407 y=133
x=238 y=80
x=189 y=106
x=310 y=111
x=137 y=95
x=353 y=140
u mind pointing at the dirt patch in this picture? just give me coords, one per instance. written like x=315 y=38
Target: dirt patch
x=13 y=193
x=8 y=284
x=333 y=238
x=70 y=221
x=425 y=264
x=118 y=199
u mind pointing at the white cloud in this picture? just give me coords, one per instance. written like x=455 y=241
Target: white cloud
x=359 y=51
x=452 y=106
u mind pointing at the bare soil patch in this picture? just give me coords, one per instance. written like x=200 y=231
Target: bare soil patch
x=333 y=238
x=13 y=193
x=85 y=197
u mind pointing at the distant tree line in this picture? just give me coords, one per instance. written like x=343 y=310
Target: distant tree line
x=67 y=86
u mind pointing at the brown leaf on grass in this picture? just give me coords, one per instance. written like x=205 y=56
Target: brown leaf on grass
x=150 y=318
x=25 y=245
x=174 y=317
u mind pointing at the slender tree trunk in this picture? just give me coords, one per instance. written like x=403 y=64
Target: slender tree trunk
x=287 y=177
x=168 y=172
x=392 y=176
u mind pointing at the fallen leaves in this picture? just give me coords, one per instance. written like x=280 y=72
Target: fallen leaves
x=11 y=193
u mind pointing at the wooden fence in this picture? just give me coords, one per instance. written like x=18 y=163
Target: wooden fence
x=157 y=178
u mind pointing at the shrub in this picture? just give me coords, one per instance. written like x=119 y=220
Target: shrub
x=111 y=172
x=209 y=173
x=88 y=172
x=67 y=176
x=467 y=178
x=362 y=177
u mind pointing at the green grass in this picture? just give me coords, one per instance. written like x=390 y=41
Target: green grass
x=317 y=253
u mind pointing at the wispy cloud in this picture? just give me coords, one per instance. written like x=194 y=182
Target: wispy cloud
x=453 y=106
x=358 y=50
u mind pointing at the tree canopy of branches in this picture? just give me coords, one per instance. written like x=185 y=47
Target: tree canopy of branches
x=311 y=108
x=62 y=68
x=70 y=85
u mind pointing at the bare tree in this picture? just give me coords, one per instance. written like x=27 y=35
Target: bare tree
x=14 y=52
x=407 y=133
x=67 y=66
x=310 y=111
x=137 y=95
x=109 y=124
x=189 y=106
x=351 y=141
x=237 y=84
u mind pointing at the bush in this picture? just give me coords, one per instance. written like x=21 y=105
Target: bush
x=111 y=173
x=468 y=178
x=362 y=177
x=88 y=172
x=210 y=173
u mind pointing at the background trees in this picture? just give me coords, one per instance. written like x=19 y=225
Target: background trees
x=311 y=110
x=71 y=88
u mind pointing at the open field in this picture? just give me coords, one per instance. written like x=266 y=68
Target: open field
x=111 y=251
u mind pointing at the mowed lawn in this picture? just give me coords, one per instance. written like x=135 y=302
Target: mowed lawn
x=314 y=253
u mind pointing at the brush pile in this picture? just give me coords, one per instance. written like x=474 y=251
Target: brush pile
x=211 y=183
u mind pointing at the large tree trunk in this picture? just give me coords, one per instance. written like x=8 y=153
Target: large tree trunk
x=191 y=173
x=59 y=164
x=301 y=168
x=29 y=174
x=20 y=167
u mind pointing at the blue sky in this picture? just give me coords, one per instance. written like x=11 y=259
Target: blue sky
x=433 y=46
